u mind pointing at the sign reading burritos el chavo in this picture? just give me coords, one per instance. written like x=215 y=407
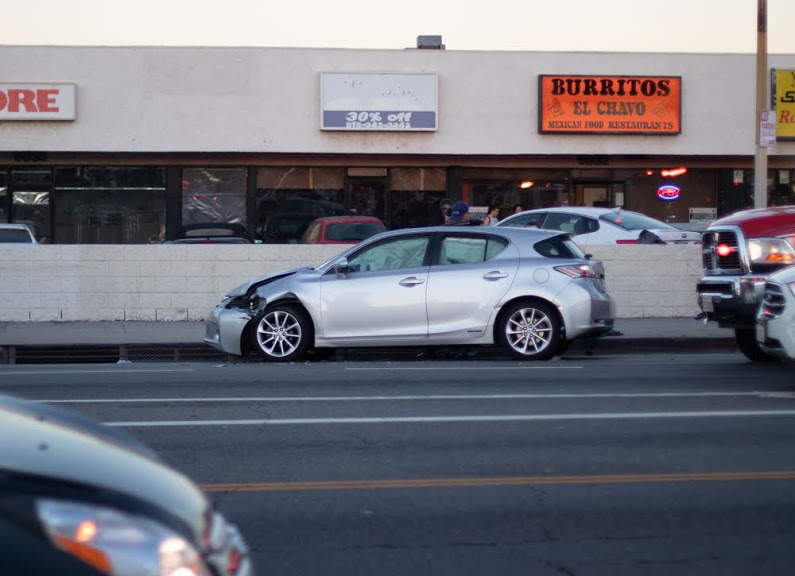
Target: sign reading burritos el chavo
x=609 y=104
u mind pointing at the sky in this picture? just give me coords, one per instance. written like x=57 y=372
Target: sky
x=715 y=26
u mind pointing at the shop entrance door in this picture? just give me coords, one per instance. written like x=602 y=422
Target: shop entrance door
x=599 y=194
x=367 y=197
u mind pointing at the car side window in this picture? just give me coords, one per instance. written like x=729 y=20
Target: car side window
x=469 y=249
x=585 y=225
x=527 y=220
x=393 y=254
x=312 y=233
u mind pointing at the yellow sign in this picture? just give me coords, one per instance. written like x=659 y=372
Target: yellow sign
x=609 y=104
x=784 y=94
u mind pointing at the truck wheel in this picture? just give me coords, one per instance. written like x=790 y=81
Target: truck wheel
x=746 y=342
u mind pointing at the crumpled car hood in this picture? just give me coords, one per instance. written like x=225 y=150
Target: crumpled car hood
x=251 y=285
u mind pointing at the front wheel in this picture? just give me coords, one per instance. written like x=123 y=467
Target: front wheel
x=530 y=331
x=746 y=342
x=282 y=333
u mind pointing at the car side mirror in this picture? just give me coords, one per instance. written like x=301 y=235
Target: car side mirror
x=589 y=256
x=341 y=267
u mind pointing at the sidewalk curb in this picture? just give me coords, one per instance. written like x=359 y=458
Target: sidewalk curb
x=200 y=352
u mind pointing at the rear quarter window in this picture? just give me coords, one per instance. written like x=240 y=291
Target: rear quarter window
x=559 y=247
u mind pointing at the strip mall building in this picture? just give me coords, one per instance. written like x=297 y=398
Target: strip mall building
x=124 y=145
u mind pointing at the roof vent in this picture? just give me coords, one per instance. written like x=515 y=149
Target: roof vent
x=430 y=43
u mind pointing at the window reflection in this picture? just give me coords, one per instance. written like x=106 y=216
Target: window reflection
x=289 y=199
x=110 y=205
x=214 y=195
x=33 y=209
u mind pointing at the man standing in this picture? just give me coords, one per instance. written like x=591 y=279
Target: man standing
x=440 y=219
x=459 y=215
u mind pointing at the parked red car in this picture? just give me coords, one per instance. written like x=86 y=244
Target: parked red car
x=342 y=230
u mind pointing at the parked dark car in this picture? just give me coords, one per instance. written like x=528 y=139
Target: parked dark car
x=81 y=499
x=211 y=233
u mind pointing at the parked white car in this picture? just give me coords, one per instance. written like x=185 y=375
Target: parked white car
x=775 y=322
x=598 y=226
x=16 y=234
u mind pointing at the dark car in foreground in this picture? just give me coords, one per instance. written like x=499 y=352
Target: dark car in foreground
x=81 y=499
x=529 y=291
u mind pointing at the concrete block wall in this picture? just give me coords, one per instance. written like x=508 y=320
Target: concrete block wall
x=183 y=283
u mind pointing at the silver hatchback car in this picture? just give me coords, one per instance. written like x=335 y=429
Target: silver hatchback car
x=527 y=290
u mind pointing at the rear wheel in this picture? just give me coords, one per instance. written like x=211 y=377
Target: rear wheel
x=282 y=333
x=530 y=331
x=746 y=342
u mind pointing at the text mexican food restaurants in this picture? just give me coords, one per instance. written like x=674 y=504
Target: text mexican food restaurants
x=609 y=104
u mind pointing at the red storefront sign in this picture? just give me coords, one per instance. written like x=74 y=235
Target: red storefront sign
x=37 y=102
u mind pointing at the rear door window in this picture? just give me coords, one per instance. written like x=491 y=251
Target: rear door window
x=572 y=223
x=532 y=220
x=468 y=249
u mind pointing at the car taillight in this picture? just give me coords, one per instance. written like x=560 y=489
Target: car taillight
x=582 y=271
x=626 y=241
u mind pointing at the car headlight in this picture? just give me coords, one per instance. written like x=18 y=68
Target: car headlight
x=118 y=543
x=770 y=251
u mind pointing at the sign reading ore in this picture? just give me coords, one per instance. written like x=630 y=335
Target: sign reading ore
x=609 y=104
x=37 y=102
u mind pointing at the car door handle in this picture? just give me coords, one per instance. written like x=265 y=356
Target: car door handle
x=411 y=281
x=495 y=275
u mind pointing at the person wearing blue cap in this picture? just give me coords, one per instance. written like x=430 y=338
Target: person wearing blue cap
x=459 y=215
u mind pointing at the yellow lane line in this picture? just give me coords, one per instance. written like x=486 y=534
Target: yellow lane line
x=498 y=481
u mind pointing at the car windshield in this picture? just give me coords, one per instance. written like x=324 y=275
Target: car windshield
x=633 y=221
x=210 y=232
x=350 y=231
x=15 y=235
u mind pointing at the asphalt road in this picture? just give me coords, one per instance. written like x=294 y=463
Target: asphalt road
x=634 y=465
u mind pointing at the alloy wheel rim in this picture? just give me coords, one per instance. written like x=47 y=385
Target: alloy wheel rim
x=529 y=331
x=279 y=334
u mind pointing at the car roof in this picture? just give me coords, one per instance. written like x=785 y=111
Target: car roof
x=514 y=234
x=584 y=210
x=14 y=226
x=354 y=219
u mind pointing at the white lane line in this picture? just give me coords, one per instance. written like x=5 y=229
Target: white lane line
x=454 y=419
x=120 y=370
x=459 y=368
x=404 y=398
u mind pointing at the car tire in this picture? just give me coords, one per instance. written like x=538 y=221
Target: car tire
x=530 y=330
x=282 y=333
x=746 y=342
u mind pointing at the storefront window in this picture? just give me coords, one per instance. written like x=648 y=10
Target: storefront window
x=415 y=194
x=110 y=205
x=291 y=198
x=781 y=191
x=3 y=197
x=507 y=188
x=213 y=195
x=33 y=209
